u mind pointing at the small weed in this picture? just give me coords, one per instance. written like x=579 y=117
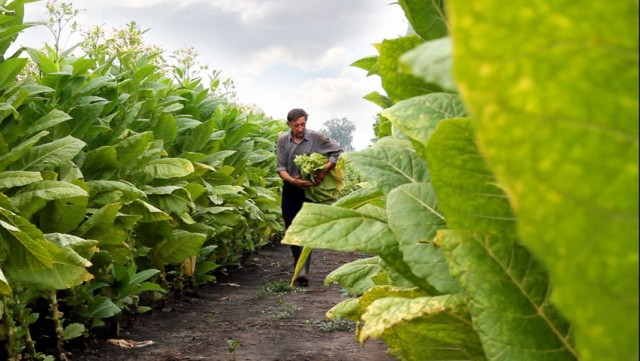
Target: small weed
x=284 y=311
x=233 y=346
x=278 y=288
x=337 y=325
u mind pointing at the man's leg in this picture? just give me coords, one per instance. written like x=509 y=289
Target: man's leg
x=292 y=200
x=303 y=276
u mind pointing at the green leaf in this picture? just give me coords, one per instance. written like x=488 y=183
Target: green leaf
x=438 y=328
x=100 y=163
x=418 y=117
x=530 y=328
x=34 y=196
x=357 y=276
x=176 y=249
x=427 y=18
x=166 y=168
x=413 y=216
x=171 y=199
x=101 y=225
x=51 y=155
x=347 y=309
x=35 y=262
x=5 y=289
x=368 y=63
x=20 y=150
x=18 y=178
x=359 y=198
x=482 y=250
x=49 y=120
x=129 y=191
x=363 y=230
x=468 y=192
x=380 y=100
x=388 y=164
x=73 y=330
x=148 y=212
x=324 y=226
x=99 y=307
x=130 y=149
x=64 y=215
x=561 y=133
x=9 y=69
x=432 y=63
x=84 y=247
x=398 y=85
x=45 y=64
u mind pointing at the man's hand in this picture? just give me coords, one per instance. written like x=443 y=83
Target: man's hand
x=300 y=183
x=319 y=176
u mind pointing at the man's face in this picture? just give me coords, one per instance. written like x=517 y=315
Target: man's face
x=298 y=127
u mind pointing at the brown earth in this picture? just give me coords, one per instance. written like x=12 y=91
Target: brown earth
x=236 y=310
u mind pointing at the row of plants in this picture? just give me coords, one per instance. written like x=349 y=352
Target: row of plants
x=122 y=177
x=501 y=206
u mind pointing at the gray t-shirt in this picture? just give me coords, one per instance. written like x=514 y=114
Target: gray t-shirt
x=313 y=142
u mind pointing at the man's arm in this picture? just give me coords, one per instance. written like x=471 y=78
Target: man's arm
x=323 y=172
x=295 y=181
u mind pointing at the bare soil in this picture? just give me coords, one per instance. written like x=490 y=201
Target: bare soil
x=236 y=319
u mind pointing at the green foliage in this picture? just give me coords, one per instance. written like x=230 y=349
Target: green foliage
x=505 y=218
x=120 y=172
x=332 y=184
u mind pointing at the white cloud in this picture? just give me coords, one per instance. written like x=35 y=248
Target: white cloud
x=281 y=53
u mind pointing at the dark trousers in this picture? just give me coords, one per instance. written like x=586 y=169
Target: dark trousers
x=292 y=200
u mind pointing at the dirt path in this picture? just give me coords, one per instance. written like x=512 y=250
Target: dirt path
x=238 y=310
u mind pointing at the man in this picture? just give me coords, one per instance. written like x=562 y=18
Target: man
x=301 y=140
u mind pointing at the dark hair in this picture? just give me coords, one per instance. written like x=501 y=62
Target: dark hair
x=295 y=114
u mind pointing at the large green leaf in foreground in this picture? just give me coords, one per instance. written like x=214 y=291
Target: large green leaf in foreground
x=441 y=324
x=554 y=87
x=507 y=287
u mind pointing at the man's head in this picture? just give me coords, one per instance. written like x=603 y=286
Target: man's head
x=295 y=114
x=297 y=121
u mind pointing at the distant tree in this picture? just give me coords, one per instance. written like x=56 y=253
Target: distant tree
x=341 y=130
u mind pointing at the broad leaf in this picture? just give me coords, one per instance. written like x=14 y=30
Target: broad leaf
x=439 y=327
x=418 y=117
x=49 y=120
x=20 y=150
x=33 y=197
x=400 y=86
x=432 y=62
x=176 y=249
x=530 y=328
x=166 y=168
x=413 y=216
x=35 y=262
x=561 y=133
x=11 y=179
x=389 y=164
x=357 y=276
x=427 y=18
x=9 y=69
x=51 y=155
x=324 y=226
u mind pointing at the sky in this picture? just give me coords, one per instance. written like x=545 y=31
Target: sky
x=281 y=54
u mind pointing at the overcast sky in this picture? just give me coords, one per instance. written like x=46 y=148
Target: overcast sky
x=281 y=54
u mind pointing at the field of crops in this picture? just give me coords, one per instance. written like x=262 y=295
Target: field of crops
x=500 y=200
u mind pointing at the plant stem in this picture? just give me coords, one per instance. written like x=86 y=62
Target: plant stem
x=56 y=316
x=30 y=344
x=9 y=328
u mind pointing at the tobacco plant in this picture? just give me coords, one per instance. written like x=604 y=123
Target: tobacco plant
x=508 y=223
x=113 y=175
